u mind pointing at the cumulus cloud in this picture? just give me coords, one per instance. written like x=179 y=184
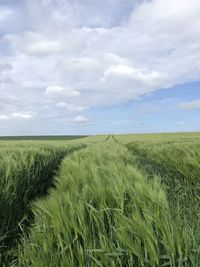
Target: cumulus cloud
x=59 y=92
x=76 y=54
x=36 y=44
x=23 y=115
x=195 y=104
x=153 y=78
x=80 y=119
x=18 y=115
x=139 y=56
x=70 y=107
x=62 y=105
x=107 y=65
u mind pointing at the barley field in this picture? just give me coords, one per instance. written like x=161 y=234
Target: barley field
x=108 y=201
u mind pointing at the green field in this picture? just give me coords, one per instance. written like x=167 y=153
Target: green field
x=109 y=200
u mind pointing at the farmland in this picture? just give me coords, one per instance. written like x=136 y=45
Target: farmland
x=110 y=200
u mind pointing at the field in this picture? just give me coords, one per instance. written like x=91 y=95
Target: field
x=115 y=200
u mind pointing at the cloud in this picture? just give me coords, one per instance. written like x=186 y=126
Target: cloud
x=108 y=65
x=61 y=105
x=68 y=14
x=195 y=104
x=23 y=115
x=70 y=107
x=3 y=117
x=36 y=44
x=5 y=67
x=63 y=56
x=5 y=13
x=153 y=78
x=59 y=92
x=80 y=120
x=26 y=115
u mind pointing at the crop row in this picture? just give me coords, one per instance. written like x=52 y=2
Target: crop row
x=177 y=165
x=107 y=212
x=26 y=173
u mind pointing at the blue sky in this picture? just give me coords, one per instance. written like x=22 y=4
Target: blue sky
x=89 y=67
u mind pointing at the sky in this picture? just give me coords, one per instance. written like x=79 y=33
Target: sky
x=99 y=67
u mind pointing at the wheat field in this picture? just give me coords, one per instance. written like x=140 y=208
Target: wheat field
x=115 y=200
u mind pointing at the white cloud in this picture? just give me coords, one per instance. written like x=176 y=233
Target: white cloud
x=36 y=44
x=23 y=115
x=59 y=92
x=195 y=104
x=107 y=65
x=18 y=115
x=61 y=105
x=96 y=55
x=80 y=65
x=80 y=119
x=70 y=107
x=153 y=78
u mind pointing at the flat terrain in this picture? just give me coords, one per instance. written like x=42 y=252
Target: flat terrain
x=107 y=200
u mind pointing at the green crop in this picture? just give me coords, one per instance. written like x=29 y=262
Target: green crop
x=122 y=201
x=105 y=211
x=26 y=173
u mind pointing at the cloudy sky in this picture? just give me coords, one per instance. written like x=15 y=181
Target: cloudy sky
x=90 y=66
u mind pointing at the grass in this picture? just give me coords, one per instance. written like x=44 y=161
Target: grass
x=121 y=201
